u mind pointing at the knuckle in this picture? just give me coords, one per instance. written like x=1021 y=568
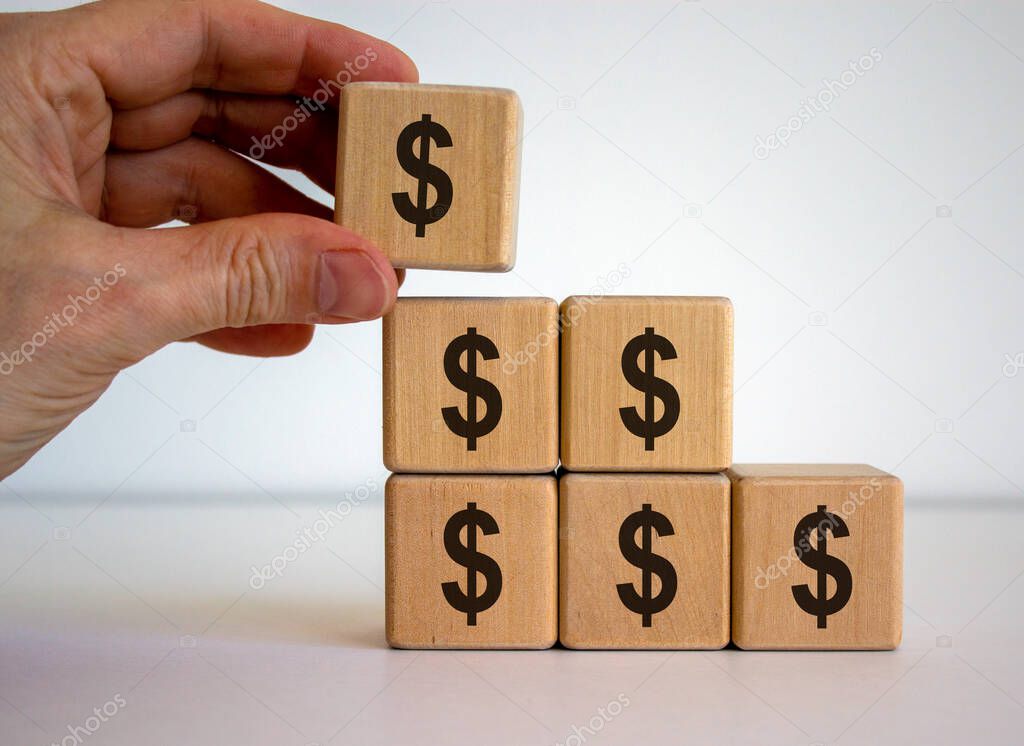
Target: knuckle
x=255 y=279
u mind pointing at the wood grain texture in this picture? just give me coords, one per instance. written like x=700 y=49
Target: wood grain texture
x=417 y=508
x=416 y=388
x=592 y=508
x=478 y=232
x=768 y=502
x=596 y=329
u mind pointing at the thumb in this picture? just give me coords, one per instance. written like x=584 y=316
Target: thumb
x=260 y=269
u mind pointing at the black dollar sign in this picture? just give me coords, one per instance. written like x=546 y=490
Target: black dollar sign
x=475 y=387
x=425 y=172
x=647 y=427
x=469 y=603
x=819 y=559
x=641 y=556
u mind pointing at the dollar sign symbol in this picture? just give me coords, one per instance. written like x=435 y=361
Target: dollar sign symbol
x=647 y=427
x=420 y=167
x=819 y=559
x=475 y=387
x=470 y=603
x=641 y=556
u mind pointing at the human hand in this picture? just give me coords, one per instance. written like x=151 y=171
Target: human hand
x=125 y=114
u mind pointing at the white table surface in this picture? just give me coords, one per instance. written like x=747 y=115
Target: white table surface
x=143 y=604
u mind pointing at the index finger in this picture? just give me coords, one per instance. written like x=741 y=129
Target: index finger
x=145 y=51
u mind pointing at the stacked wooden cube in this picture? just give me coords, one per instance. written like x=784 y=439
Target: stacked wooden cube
x=647 y=536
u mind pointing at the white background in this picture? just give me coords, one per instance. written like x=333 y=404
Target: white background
x=875 y=266
x=868 y=328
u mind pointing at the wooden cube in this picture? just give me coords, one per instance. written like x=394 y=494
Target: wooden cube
x=471 y=385
x=430 y=173
x=817 y=557
x=471 y=561
x=644 y=561
x=647 y=384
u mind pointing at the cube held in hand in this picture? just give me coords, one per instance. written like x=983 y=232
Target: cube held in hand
x=430 y=173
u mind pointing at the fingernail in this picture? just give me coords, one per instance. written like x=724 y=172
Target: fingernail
x=351 y=285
